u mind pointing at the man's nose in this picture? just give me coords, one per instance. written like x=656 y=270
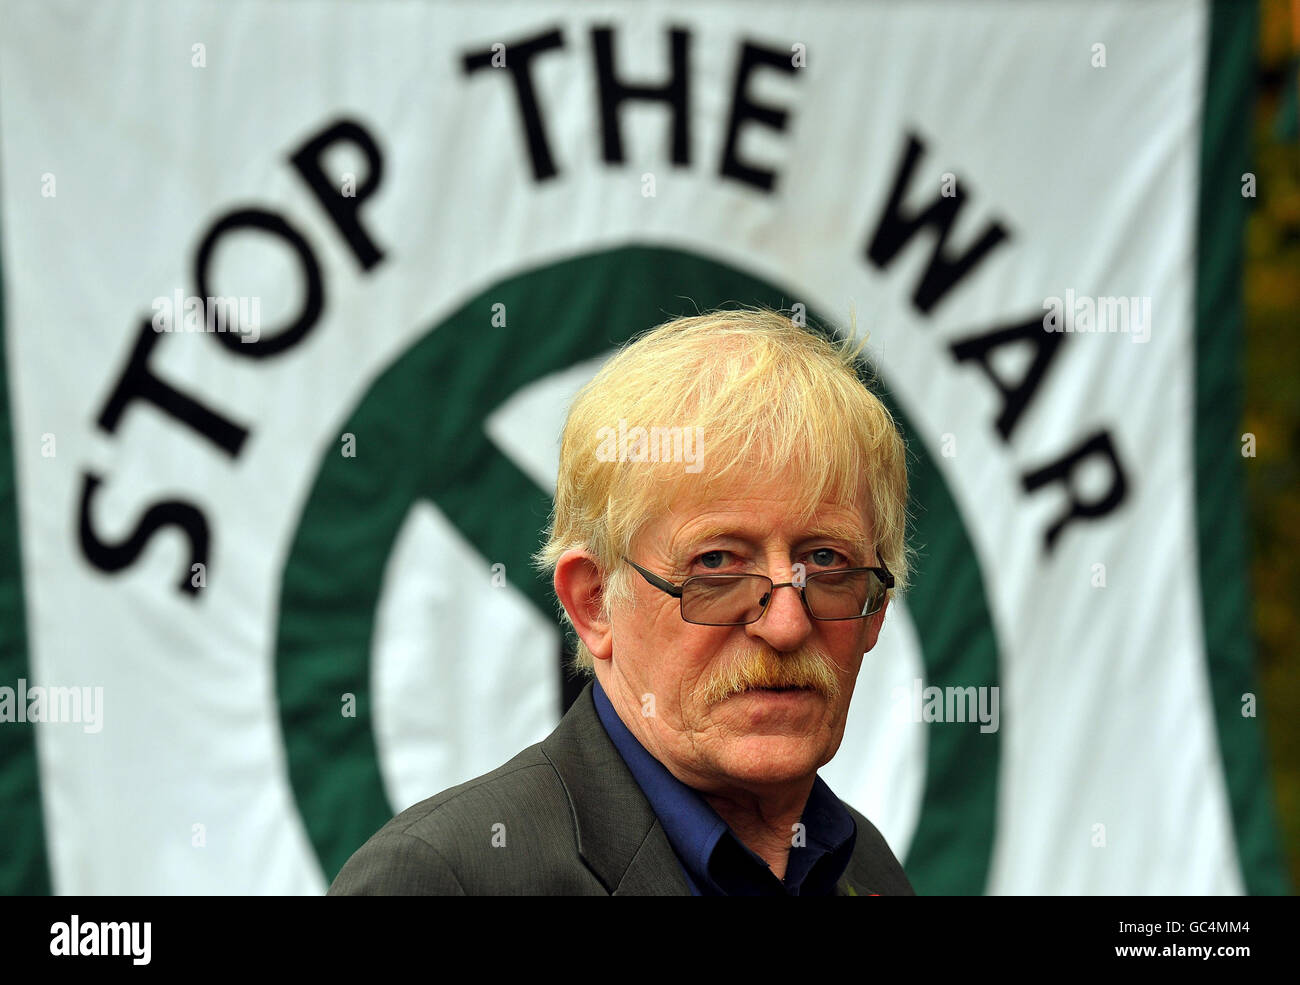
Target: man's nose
x=786 y=624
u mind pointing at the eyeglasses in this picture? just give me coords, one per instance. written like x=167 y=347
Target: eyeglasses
x=738 y=600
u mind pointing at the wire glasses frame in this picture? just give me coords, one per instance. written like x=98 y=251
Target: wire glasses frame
x=695 y=590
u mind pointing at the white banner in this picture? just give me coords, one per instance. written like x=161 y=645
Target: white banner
x=295 y=295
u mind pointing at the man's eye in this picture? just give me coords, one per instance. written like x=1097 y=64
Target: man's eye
x=713 y=559
x=825 y=557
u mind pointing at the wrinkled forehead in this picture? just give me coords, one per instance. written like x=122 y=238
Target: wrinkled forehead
x=752 y=506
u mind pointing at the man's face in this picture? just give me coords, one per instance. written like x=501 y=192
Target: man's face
x=758 y=738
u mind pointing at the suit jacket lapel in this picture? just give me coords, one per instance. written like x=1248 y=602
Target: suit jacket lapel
x=654 y=869
x=619 y=836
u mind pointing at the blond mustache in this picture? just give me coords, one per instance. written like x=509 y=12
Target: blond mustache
x=764 y=667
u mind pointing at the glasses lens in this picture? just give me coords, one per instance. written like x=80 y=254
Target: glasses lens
x=844 y=594
x=724 y=600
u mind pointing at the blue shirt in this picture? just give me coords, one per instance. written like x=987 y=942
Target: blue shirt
x=714 y=860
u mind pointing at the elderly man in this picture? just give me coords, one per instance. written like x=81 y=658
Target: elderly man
x=726 y=563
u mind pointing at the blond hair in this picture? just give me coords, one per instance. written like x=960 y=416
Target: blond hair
x=769 y=396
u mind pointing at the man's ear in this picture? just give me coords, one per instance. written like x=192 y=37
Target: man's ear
x=874 y=624
x=579 y=586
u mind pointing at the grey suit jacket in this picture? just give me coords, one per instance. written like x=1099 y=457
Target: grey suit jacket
x=563 y=818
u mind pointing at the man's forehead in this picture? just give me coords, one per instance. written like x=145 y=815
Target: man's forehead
x=752 y=514
x=748 y=527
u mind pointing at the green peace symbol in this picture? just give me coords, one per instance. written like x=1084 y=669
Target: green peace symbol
x=421 y=425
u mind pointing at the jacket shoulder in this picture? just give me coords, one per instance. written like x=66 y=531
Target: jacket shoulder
x=507 y=832
x=874 y=868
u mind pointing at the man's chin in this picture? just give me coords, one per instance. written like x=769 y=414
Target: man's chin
x=768 y=760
